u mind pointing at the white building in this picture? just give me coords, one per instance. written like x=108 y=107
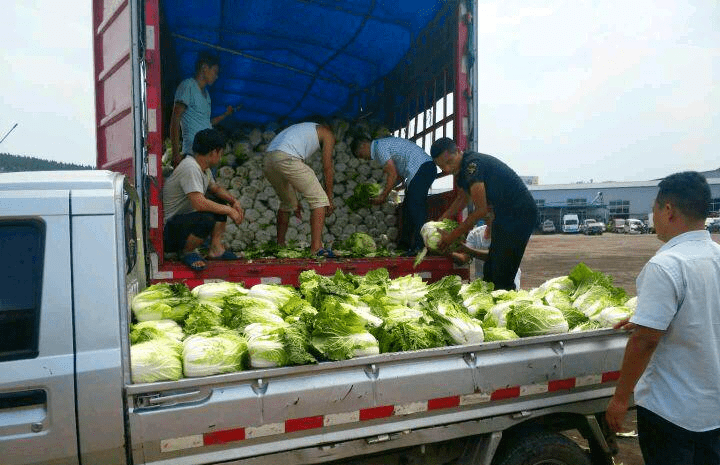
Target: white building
x=607 y=200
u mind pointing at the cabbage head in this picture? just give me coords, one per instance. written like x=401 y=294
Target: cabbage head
x=361 y=196
x=153 y=329
x=610 y=316
x=204 y=317
x=215 y=293
x=360 y=244
x=499 y=334
x=536 y=320
x=163 y=301
x=341 y=335
x=265 y=346
x=213 y=352
x=277 y=294
x=430 y=232
x=156 y=360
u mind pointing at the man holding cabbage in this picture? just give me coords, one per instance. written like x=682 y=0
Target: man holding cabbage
x=488 y=183
x=672 y=358
x=402 y=160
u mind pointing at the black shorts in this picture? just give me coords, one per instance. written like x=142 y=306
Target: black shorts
x=179 y=227
x=664 y=443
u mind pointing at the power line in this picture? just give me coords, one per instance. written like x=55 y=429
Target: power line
x=8 y=133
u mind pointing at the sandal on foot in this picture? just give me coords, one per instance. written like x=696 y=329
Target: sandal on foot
x=191 y=260
x=227 y=255
x=327 y=253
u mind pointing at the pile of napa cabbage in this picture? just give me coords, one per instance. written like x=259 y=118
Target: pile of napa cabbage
x=224 y=327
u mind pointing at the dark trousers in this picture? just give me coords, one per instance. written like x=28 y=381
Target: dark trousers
x=179 y=227
x=664 y=443
x=414 y=209
x=509 y=237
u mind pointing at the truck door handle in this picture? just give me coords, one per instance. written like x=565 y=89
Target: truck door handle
x=18 y=399
x=22 y=412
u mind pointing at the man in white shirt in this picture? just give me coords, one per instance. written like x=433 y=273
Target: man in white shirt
x=672 y=358
x=285 y=167
x=190 y=216
x=476 y=247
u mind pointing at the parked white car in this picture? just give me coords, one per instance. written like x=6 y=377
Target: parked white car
x=633 y=226
x=548 y=227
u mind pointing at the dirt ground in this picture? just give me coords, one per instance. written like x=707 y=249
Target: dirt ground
x=619 y=255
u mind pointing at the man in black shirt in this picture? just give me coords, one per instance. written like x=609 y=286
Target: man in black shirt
x=493 y=188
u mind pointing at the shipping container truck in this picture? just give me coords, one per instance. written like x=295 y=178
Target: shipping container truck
x=406 y=65
x=79 y=245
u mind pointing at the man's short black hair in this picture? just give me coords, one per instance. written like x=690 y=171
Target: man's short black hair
x=441 y=145
x=358 y=140
x=206 y=58
x=208 y=140
x=688 y=191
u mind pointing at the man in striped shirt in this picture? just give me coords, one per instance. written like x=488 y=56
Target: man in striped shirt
x=403 y=161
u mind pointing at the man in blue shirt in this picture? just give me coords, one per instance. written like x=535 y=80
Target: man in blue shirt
x=489 y=183
x=191 y=112
x=403 y=161
x=672 y=358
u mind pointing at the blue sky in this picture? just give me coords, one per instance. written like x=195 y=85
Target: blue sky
x=568 y=90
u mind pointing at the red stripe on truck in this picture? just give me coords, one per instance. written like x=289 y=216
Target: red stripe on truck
x=561 y=384
x=443 y=402
x=506 y=393
x=610 y=376
x=300 y=424
x=376 y=412
x=222 y=437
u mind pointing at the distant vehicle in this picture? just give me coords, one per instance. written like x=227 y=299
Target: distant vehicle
x=713 y=225
x=590 y=226
x=650 y=224
x=570 y=224
x=633 y=226
x=548 y=227
x=617 y=225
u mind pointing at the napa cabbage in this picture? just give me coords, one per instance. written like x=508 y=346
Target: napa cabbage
x=341 y=335
x=163 y=301
x=213 y=352
x=360 y=244
x=153 y=329
x=204 y=317
x=532 y=319
x=499 y=334
x=156 y=360
x=215 y=293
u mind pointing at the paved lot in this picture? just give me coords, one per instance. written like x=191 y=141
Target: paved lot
x=619 y=255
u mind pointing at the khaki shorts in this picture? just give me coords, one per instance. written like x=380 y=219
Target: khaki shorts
x=290 y=175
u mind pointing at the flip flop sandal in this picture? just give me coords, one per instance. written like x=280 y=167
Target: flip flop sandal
x=190 y=259
x=327 y=253
x=227 y=255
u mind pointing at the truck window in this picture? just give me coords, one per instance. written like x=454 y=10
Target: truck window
x=22 y=247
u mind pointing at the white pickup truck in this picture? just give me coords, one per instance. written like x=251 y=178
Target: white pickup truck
x=73 y=255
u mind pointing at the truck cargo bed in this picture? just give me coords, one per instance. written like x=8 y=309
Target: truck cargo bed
x=268 y=411
x=287 y=270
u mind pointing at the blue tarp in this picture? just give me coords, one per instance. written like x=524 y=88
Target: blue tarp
x=286 y=60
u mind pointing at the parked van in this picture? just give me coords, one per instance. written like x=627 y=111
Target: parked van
x=634 y=226
x=570 y=224
x=617 y=225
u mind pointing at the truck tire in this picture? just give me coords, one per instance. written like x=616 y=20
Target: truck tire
x=541 y=448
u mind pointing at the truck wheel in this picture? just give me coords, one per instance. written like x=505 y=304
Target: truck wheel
x=541 y=448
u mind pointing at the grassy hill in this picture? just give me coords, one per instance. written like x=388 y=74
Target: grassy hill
x=12 y=163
